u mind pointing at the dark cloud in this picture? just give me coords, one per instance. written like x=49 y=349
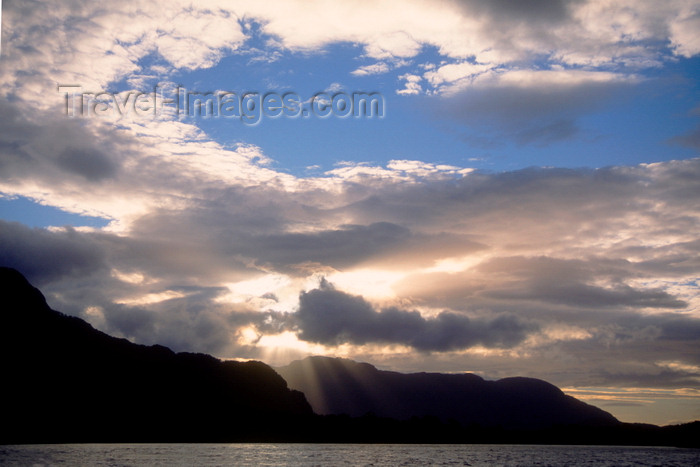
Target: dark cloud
x=135 y=323
x=653 y=377
x=380 y=243
x=60 y=147
x=535 y=114
x=591 y=296
x=44 y=256
x=568 y=282
x=680 y=328
x=332 y=317
x=239 y=233
x=546 y=281
x=91 y=164
x=177 y=324
x=690 y=139
x=549 y=208
x=179 y=258
x=531 y=11
x=547 y=132
x=337 y=248
x=513 y=25
x=15 y=133
x=228 y=210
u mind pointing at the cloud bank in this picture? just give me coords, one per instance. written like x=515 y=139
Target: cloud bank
x=329 y=316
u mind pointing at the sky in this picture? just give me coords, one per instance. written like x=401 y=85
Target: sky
x=500 y=187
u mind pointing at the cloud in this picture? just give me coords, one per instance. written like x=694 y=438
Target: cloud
x=107 y=44
x=193 y=322
x=684 y=41
x=527 y=106
x=336 y=248
x=332 y=317
x=373 y=69
x=153 y=163
x=197 y=38
x=94 y=166
x=690 y=139
x=412 y=86
x=527 y=11
x=579 y=33
x=593 y=283
x=251 y=233
x=515 y=209
x=43 y=256
x=568 y=282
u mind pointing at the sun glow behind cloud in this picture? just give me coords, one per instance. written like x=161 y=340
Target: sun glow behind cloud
x=280 y=349
x=375 y=284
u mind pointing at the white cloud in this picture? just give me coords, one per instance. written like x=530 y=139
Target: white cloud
x=454 y=72
x=103 y=45
x=373 y=69
x=412 y=85
x=684 y=37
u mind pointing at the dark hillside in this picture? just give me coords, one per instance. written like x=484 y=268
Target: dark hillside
x=62 y=380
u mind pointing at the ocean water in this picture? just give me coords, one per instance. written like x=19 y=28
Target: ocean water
x=265 y=454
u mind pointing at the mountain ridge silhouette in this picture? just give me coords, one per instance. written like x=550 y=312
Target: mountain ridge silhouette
x=342 y=386
x=65 y=382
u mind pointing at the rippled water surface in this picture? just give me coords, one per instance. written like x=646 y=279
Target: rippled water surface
x=341 y=454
